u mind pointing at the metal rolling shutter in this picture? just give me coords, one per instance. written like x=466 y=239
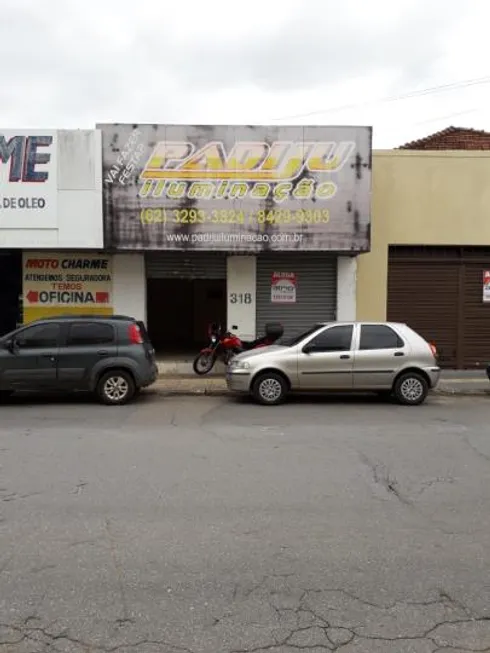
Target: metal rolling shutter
x=424 y=294
x=438 y=291
x=180 y=265
x=316 y=292
x=475 y=321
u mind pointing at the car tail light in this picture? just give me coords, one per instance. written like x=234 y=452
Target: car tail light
x=135 y=337
x=433 y=349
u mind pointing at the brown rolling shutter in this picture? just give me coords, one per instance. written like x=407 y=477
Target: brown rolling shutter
x=424 y=296
x=476 y=317
x=438 y=291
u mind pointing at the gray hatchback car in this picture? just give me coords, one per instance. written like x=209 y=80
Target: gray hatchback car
x=388 y=358
x=109 y=356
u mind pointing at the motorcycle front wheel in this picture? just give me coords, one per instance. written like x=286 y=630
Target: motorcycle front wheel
x=204 y=363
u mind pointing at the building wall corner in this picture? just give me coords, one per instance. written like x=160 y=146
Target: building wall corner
x=346 y=288
x=241 y=287
x=129 y=285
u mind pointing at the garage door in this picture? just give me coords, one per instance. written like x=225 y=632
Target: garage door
x=475 y=320
x=315 y=276
x=439 y=293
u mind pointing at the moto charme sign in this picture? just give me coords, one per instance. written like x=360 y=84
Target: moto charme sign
x=28 y=179
x=233 y=188
x=66 y=283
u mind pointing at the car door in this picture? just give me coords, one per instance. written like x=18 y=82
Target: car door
x=31 y=360
x=325 y=362
x=84 y=344
x=379 y=354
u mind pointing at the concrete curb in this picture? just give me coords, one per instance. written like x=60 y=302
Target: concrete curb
x=462 y=393
x=191 y=392
x=211 y=389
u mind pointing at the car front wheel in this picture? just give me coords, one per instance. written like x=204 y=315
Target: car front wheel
x=411 y=389
x=116 y=388
x=270 y=389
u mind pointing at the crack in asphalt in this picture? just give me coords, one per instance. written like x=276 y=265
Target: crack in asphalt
x=431 y=482
x=475 y=449
x=14 y=496
x=382 y=477
x=125 y=618
x=79 y=487
x=26 y=633
x=311 y=627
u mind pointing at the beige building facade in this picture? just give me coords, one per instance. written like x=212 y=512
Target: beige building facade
x=430 y=249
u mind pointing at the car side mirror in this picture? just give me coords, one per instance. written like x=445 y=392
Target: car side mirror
x=307 y=349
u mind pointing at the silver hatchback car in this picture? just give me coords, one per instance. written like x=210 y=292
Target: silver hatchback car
x=383 y=357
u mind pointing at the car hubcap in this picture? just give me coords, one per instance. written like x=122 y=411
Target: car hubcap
x=116 y=388
x=270 y=390
x=412 y=389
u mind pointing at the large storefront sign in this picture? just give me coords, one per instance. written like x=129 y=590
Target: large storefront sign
x=66 y=284
x=28 y=179
x=237 y=188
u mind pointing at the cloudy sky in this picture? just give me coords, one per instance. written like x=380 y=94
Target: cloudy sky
x=70 y=64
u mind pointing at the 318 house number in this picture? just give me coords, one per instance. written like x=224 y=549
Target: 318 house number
x=240 y=298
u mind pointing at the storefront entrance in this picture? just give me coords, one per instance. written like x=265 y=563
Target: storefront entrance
x=438 y=291
x=314 y=282
x=10 y=290
x=185 y=293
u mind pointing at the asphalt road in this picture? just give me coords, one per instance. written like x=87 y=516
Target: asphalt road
x=210 y=525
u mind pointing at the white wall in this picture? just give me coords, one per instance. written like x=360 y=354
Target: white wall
x=346 y=288
x=241 y=293
x=80 y=219
x=77 y=222
x=129 y=285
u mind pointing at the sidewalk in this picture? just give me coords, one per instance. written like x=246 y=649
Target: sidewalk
x=464 y=382
x=452 y=383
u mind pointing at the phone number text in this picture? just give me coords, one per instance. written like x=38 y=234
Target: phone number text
x=230 y=216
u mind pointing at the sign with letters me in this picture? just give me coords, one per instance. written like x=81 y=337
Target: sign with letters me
x=28 y=179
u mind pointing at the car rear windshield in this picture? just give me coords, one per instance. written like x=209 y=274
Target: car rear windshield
x=291 y=341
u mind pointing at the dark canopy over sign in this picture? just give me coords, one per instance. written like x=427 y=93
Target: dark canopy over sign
x=227 y=188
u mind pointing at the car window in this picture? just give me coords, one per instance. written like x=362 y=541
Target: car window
x=89 y=333
x=338 y=338
x=291 y=341
x=39 y=336
x=379 y=336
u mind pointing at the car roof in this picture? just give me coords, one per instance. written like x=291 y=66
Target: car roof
x=368 y=322
x=56 y=318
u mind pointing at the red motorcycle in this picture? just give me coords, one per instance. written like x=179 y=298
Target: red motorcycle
x=225 y=344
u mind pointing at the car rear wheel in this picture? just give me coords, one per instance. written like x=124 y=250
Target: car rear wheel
x=411 y=389
x=270 y=389
x=116 y=388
